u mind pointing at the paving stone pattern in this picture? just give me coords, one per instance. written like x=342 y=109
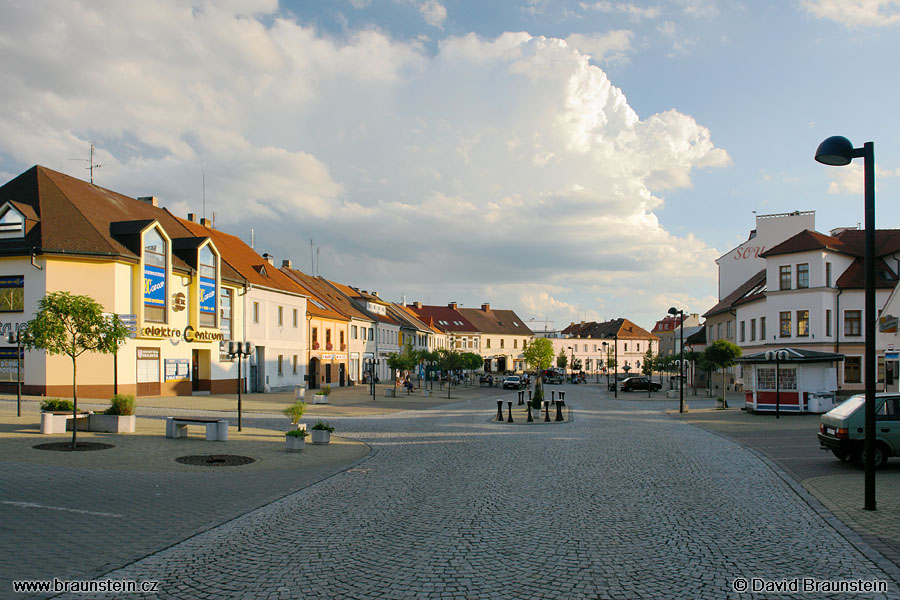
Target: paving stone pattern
x=622 y=502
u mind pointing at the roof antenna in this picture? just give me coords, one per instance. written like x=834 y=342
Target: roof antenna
x=312 y=260
x=204 y=194
x=91 y=166
x=252 y=238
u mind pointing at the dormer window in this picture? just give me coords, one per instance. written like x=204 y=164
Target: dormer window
x=12 y=223
x=155 y=262
x=208 y=269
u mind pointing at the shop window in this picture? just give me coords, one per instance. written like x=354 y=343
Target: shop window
x=225 y=313
x=9 y=365
x=12 y=293
x=787 y=378
x=853 y=323
x=852 y=369
x=155 y=262
x=208 y=276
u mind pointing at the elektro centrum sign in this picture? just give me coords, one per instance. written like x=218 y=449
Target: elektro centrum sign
x=188 y=334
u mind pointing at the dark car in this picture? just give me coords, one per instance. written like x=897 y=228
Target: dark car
x=630 y=384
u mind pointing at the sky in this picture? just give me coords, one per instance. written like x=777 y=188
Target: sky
x=570 y=160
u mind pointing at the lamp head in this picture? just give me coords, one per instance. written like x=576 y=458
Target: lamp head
x=673 y=311
x=836 y=151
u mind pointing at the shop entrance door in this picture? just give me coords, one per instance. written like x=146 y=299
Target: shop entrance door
x=195 y=370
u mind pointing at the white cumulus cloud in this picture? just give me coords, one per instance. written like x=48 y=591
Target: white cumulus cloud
x=856 y=13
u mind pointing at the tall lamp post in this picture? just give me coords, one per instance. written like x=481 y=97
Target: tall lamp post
x=616 y=362
x=572 y=363
x=15 y=337
x=777 y=356
x=239 y=350
x=680 y=312
x=606 y=364
x=839 y=151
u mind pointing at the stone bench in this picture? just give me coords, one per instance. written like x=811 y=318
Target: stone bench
x=216 y=429
x=56 y=421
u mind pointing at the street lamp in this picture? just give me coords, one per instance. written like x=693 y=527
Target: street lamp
x=777 y=356
x=839 y=151
x=616 y=363
x=239 y=350
x=15 y=337
x=572 y=364
x=680 y=312
x=606 y=365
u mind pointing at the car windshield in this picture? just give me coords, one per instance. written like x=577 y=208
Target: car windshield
x=848 y=407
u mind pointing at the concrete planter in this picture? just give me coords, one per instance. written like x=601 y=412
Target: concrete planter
x=111 y=423
x=320 y=399
x=293 y=443
x=320 y=436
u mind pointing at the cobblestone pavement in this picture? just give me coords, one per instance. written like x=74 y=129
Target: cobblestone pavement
x=621 y=502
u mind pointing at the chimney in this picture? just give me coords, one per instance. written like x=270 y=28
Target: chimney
x=452 y=305
x=486 y=307
x=286 y=263
x=151 y=200
x=191 y=217
x=374 y=293
x=417 y=304
x=269 y=258
x=204 y=221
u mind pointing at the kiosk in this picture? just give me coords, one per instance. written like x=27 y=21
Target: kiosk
x=806 y=380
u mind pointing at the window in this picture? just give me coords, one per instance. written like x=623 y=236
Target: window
x=295 y=364
x=803 y=276
x=256 y=312
x=155 y=263
x=765 y=378
x=852 y=322
x=328 y=339
x=280 y=365
x=888 y=411
x=828 y=322
x=729 y=329
x=637 y=349
x=501 y=342
x=718 y=331
x=784 y=319
x=852 y=369
x=785 y=277
x=828 y=274
x=371 y=334
x=515 y=343
x=342 y=340
x=752 y=329
x=880 y=378
x=225 y=313
x=762 y=328
x=295 y=317
x=743 y=324
x=802 y=323
x=488 y=343
x=280 y=315
x=354 y=332
x=9 y=366
x=11 y=223
x=207 y=269
x=626 y=347
x=315 y=338
x=12 y=293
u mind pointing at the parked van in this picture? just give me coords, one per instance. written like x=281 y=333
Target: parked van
x=842 y=429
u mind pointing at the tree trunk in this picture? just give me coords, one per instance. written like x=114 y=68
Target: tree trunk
x=724 y=402
x=74 y=404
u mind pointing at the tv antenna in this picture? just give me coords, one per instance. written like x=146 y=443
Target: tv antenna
x=91 y=166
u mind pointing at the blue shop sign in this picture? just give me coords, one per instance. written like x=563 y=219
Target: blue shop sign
x=207 y=295
x=154 y=285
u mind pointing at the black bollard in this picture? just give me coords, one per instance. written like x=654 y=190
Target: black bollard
x=562 y=396
x=559 y=406
x=528 y=410
x=546 y=412
x=553 y=397
x=529 y=397
x=521 y=397
x=499 y=410
x=510 y=419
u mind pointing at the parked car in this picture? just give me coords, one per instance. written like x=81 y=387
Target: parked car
x=513 y=382
x=630 y=384
x=552 y=376
x=842 y=429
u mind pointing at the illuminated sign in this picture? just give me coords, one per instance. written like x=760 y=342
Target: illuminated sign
x=154 y=286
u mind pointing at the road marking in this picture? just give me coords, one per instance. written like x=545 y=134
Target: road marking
x=74 y=510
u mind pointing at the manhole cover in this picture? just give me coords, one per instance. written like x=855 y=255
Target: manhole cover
x=79 y=446
x=214 y=460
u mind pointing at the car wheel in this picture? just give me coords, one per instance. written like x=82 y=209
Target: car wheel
x=880 y=457
x=841 y=454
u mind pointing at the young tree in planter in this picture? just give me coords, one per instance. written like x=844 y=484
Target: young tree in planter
x=450 y=360
x=562 y=359
x=538 y=355
x=721 y=355
x=73 y=325
x=471 y=361
x=648 y=366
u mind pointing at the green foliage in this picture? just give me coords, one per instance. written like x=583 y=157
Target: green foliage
x=323 y=426
x=450 y=360
x=562 y=359
x=53 y=404
x=295 y=411
x=649 y=363
x=121 y=404
x=722 y=353
x=300 y=433
x=539 y=354
x=72 y=325
x=471 y=361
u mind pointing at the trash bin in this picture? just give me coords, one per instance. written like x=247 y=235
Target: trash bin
x=299 y=392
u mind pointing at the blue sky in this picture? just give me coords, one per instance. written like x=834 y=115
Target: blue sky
x=469 y=151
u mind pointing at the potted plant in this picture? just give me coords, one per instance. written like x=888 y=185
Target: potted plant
x=295 y=440
x=118 y=418
x=322 y=395
x=56 y=416
x=295 y=413
x=321 y=432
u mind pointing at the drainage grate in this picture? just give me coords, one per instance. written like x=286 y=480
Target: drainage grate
x=79 y=446
x=215 y=460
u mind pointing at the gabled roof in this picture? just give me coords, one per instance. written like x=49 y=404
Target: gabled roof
x=446 y=318
x=76 y=217
x=621 y=327
x=328 y=291
x=806 y=241
x=746 y=291
x=427 y=326
x=495 y=321
x=854 y=276
x=363 y=297
x=242 y=259
x=316 y=304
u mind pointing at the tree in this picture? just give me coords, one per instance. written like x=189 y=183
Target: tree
x=562 y=359
x=73 y=325
x=450 y=360
x=539 y=356
x=722 y=355
x=471 y=361
x=405 y=360
x=648 y=366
